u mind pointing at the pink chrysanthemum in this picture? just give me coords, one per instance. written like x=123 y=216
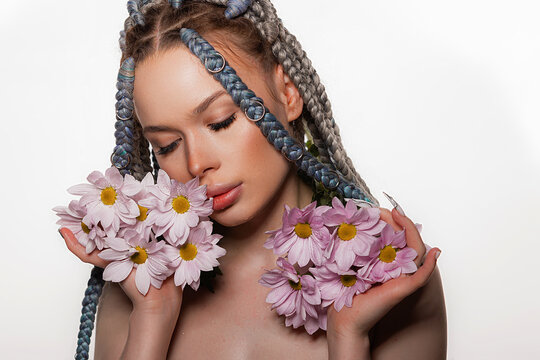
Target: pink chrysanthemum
x=199 y=253
x=105 y=201
x=295 y=296
x=71 y=217
x=353 y=233
x=339 y=286
x=147 y=255
x=311 y=323
x=270 y=241
x=303 y=235
x=175 y=208
x=139 y=190
x=393 y=256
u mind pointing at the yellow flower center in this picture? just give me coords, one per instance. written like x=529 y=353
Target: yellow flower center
x=303 y=230
x=85 y=228
x=188 y=252
x=295 y=285
x=348 y=280
x=388 y=254
x=139 y=257
x=346 y=231
x=108 y=196
x=143 y=213
x=180 y=204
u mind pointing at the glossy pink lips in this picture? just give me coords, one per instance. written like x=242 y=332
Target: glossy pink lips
x=227 y=198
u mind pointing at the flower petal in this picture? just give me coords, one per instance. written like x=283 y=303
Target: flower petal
x=117 y=244
x=142 y=279
x=131 y=186
x=112 y=255
x=97 y=178
x=114 y=177
x=117 y=270
x=81 y=189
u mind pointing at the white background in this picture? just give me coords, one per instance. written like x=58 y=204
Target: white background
x=438 y=104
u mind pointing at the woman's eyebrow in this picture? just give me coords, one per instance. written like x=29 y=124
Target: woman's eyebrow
x=209 y=100
x=198 y=110
x=154 y=129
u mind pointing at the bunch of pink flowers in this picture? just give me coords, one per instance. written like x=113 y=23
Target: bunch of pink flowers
x=329 y=255
x=123 y=217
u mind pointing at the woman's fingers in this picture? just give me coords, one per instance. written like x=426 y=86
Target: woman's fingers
x=80 y=251
x=396 y=290
x=421 y=276
x=386 y=216
x=414 y=240
x=400 y=222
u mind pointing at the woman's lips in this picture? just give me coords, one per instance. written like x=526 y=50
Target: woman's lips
x=225 y=198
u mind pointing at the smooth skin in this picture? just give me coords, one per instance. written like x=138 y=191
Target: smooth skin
x=403 y=318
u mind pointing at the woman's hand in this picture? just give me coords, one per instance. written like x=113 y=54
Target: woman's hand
x=168 y=299
x=348 y=329
x=154 y=316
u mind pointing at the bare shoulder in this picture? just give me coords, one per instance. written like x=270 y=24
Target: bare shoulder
x=112 y=321
x=415 y=328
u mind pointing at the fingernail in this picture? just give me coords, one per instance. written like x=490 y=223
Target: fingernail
x=62 y=235
x=437 y=254
x=394 y=204
x=400 y=210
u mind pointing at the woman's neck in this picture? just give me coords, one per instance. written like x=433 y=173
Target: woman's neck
x=249 y=237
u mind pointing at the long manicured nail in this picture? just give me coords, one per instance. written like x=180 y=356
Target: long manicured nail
x=437 y=254
x=394 y=204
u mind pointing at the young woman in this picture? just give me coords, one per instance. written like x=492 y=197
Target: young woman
x=196 y=128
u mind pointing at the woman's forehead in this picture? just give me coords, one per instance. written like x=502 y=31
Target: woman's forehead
x=170 y=83
x=174 y=82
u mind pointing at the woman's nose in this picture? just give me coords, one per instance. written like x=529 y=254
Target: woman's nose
x=202 y=158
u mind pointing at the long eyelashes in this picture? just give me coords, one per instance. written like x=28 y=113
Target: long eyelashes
x=215 y=127
x=168 y=148
x=224 y=124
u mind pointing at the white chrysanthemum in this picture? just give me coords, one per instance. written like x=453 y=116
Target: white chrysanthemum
x=147 y=255
x=198 y=253
x=105 y=202
x=71 y=217
x=138 y=190
x=175 y=208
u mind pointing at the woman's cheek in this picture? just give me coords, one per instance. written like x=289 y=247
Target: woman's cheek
x=175 y=166
x=262 y=160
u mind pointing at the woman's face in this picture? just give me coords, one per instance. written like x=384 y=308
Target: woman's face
x=196 y=129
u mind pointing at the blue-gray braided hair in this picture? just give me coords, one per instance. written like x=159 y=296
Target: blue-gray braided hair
x=160 y=25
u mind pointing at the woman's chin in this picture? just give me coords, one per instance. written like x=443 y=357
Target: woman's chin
x=229 y=218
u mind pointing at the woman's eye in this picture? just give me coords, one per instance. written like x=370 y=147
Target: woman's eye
x=224 y=124
x=215 y=127
x=164 y=150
